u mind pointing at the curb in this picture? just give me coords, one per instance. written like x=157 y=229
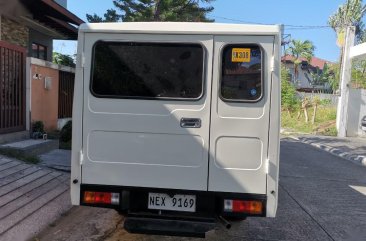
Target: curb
x=357 y=159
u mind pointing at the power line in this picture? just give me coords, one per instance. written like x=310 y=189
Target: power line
x=291 y=27
x=308 y=28
x=236 y=20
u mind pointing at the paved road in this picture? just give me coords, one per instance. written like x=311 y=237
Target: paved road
x=322 y=197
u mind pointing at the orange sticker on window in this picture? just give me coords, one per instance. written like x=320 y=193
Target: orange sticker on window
x=240 y=55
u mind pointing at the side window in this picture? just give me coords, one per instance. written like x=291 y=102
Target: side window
x=241 y=76
x=147 y=70
x=39 y=51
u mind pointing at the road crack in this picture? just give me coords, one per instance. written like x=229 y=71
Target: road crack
x=303 y=208
x=109 y=233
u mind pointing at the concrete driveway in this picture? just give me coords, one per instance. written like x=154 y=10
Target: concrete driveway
x=322 y=197
x=31 y=197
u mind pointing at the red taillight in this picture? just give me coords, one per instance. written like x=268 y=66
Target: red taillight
x=101 y=198
x=241 y=206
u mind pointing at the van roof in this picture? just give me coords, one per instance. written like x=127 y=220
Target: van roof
x=180 y=28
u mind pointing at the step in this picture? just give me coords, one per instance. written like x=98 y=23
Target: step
x=26 y=192
x=13 y=137
x=57 y=159
x=16 y=173
x=13 y=171
x=9 y=165
x=168 y=227
x=4 y=160
x=32 y=147
x=22 y=182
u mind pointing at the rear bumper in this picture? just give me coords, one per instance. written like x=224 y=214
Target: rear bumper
x=209 y=205
x=156 y=226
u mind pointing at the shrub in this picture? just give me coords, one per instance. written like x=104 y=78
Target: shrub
x=289 y=100
x=38 y=126
x=331 y=131
x=37 y=129
x=325 y=102
x=66 y=132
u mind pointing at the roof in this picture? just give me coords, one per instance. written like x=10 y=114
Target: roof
x=180 y=28
x=54 y=16
x=315 y=61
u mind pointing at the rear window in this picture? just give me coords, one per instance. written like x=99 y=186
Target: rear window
x=241 y=78
x=147 y=70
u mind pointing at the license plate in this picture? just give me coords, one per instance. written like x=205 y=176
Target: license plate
x=240 y=55
x=161 y=201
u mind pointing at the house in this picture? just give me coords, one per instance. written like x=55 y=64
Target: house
x=31 y=87
x=304 y=81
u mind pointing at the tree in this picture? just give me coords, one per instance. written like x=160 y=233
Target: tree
x=316 y=103
x=326 y=75
x=299 y=50
x=63 y=59
x=333 y=79
x=156 y=10
x=305 y=104
x=348 y=14
x=288 y=92
x=359 y=74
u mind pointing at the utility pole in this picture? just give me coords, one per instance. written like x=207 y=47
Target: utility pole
x=346 y=71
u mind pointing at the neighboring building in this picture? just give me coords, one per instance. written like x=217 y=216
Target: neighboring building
x=29 y=83
x=304 y=81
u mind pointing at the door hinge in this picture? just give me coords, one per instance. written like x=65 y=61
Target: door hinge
x=273 y=64
x=82 y=60
x=266 y=166
x=81 y=157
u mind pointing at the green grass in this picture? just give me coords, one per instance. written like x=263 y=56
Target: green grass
x=19 y=155
x=324 y=122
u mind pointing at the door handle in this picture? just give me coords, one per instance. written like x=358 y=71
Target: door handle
x=190 y=123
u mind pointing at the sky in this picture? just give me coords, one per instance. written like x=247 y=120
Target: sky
x=290 y=13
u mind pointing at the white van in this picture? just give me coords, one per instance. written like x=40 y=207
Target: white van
x=176 y=125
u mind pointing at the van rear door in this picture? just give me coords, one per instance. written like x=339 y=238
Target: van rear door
x=240 y=113
x=147 y=110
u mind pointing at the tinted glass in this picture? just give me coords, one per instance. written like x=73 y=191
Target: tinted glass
x=147 y=70
x=42 y=52
x=34 y=50
x=241 y=73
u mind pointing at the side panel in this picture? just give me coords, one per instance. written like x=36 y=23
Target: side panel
x=274 y=133
x=239 y=129
x=77 y=124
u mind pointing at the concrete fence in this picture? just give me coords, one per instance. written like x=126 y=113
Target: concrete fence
x=333 y=99
x=356 y=111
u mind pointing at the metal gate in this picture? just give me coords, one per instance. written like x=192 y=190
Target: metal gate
x=65 y=94
x=12 y=88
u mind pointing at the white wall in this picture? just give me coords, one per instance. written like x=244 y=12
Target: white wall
x=356 y=110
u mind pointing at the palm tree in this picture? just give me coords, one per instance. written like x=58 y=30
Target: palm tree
x=300 y=50
x=348 y=14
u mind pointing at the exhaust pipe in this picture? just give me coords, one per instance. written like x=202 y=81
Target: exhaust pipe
x=225 y=222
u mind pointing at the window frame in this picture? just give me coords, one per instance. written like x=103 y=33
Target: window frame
x=241 y=45
x=38 y=51
x=156 y=42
